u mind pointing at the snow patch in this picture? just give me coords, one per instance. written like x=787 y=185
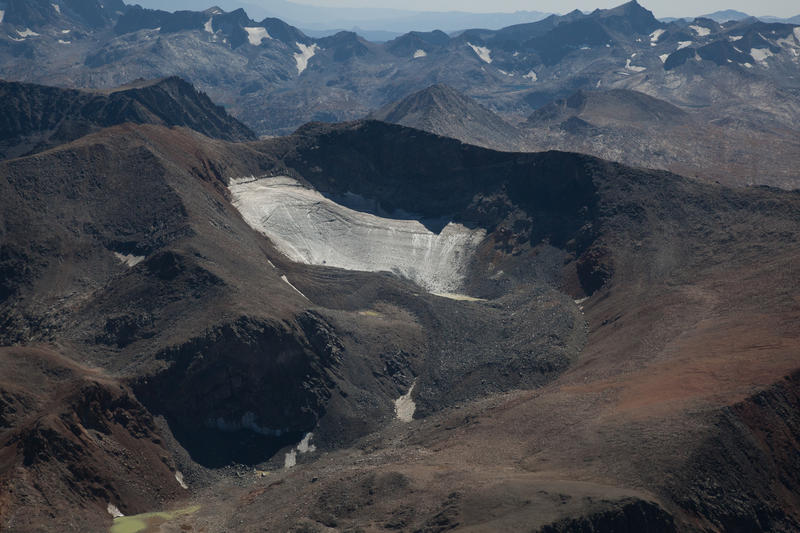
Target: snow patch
x=309 y=228
x=289 y=283
x=420 y=53
x=208 y=26
x=62 y=41
x=2 y=15
x=701 y=31
x=761 y=54
x=684 y=44
x=304 y=446
x=735 y=38
x=656 y=35
x=306 y=53
x=404 y=406
x=256 y=35
x=663 y=57
x=747 y=65
x=57 y=8
x=27 y=33
x=181 y=482
x=114 y=511
x=484 y=53
x=796 y=31
x=129 y=259
x=290 y=459
x=531 y=76
x=65 y=31
x=501 y=71
x=633 y=68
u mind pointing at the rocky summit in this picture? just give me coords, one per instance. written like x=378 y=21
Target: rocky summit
x=538 y=278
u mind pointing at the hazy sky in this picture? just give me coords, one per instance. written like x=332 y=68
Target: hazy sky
x=661 y=8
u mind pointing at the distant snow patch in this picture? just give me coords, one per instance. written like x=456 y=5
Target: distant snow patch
x=701 y=31
x=27 y=33
x=735 y=38
x=531 y=76
x=761 y=54
x=501 y=71
x=65 y=31
x=208 y=25
x=179 y=479
x=484 y=53
x=633 y=68
x=2 y=15
x=306 y=53
x=114 y=511
x=304 y=446
x=747 y=65
x=656 y=35
x=796 y=30
x=289 y=283
x=129 y=259
x=684 y=44
x=256 y=35
x=663 y=57
x=515 y=54
x=404 y=406
x=62 y=41
x=420 y=53
x=57 y=8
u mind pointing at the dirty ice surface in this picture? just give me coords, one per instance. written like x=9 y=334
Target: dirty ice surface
x=309 y=228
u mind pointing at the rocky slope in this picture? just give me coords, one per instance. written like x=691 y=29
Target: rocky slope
x=442 y=110
x=372 y=403
x=36 y=117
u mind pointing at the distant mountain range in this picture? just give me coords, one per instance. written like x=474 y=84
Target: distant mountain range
x=275 y=77
x=617 y=124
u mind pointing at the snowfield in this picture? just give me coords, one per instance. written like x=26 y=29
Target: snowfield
x=256 y=35
x=760 y=54
x=306 y=53
x=312 y=229
x=656 y=35
x=701 y=31
x=633 y=68
x=484 y=53
x=420 y=53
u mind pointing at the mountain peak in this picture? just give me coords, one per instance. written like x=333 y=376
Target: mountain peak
x=443 y=110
